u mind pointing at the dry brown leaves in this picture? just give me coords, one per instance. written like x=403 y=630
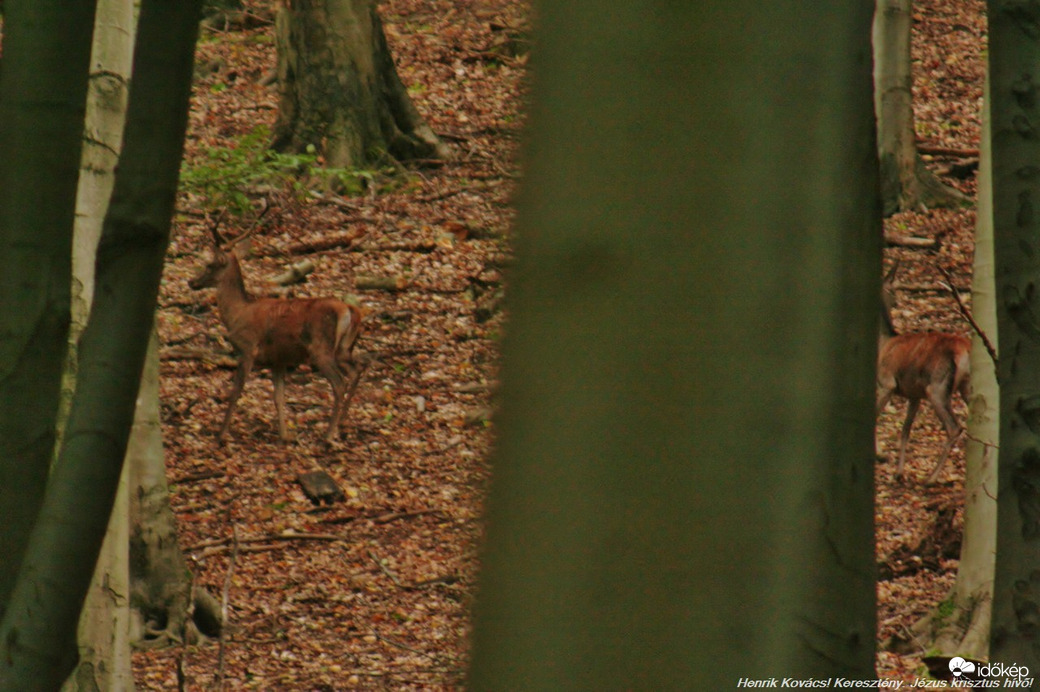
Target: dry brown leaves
x=918 y=527
x=372 y=592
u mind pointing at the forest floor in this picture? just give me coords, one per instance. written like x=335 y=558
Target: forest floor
x=919 y=527
x=374 y=591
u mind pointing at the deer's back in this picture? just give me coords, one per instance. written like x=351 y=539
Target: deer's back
x=289 y=332
x=916 y=361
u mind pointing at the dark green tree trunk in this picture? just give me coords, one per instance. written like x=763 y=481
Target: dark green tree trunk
x=683 y=491
x=43 y=90
x=1015 y=108
x=40 y=622
x=339 y=91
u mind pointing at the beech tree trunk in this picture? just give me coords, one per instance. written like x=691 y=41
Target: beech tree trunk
x=965 y=631
x=684 y=480
x=104 y=633
x=339 y=92
x=906 y=183
x=160 y=582
x=1014 y=53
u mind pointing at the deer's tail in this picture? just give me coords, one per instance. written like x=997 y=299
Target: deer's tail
x=347 y=329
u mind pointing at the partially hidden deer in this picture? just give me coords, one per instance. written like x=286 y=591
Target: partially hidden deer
x=921 y=366
x=281 y=333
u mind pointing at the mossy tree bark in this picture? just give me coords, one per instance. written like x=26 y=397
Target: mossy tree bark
x=339 y=91
x=683 y=487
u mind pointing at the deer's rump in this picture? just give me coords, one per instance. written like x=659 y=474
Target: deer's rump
x=289 y=332
x=921 y=359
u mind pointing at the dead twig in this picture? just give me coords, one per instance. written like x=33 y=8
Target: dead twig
x=218 y=680
x=968 y=316
x=218 y=542
x=399 y=645
x=393 y=516
x=946 y=151
x=182 y=677
x=418 y=586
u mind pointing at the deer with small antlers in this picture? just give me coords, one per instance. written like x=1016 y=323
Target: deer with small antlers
x=918 y=366
x=281 y=333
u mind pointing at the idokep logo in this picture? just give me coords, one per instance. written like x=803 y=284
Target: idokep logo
x=962 y=668
x=959 y=667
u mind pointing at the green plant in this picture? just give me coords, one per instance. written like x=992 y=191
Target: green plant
x=221 y=176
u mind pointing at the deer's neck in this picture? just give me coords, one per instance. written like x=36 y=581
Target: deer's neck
x=231 y=291
x=886 y=329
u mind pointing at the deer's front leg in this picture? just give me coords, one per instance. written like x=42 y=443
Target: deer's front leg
x=278 y=376
x=245 y=365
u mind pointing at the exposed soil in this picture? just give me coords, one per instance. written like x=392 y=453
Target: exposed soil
x=374 y=591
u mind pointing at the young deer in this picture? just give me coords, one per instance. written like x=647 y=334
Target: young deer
x=924 y=365
x=281 y=333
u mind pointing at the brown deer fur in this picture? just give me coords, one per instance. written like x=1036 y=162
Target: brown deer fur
x=280 y=333
x=924 y=365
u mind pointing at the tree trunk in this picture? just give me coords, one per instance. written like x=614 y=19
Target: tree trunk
x=683 y=487
x=906 y=183
x=339 y=93
x=40 y=621
x=1014 y=54
x=965 y=631
x=46 y=49
x=159 y=576
x=103 y=638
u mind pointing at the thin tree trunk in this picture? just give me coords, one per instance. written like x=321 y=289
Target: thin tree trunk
x=965 y=631
x=160 y=579
x=683 y=488
x=103 y=638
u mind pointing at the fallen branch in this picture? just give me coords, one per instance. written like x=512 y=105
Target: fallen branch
x=217 y=542
x=394 y=516
x=399 y=645
x=367 y=282
x=195 y=477
x=421 y=248
x=410 y=587
x=968 y=316
x=332 y=242
x=946 y=151
x=218 y=680
x=911 y=241
x=295 y=273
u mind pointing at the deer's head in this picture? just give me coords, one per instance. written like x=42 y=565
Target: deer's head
x=223 y=254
